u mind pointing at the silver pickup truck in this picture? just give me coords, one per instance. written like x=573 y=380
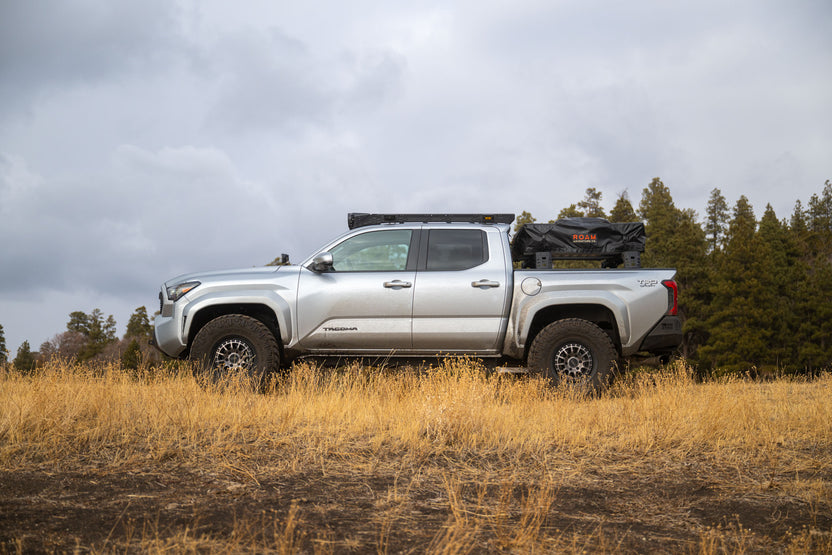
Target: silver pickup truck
x=420 y=285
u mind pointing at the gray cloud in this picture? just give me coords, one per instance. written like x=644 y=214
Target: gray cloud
x=143 y=140
x=271 y=82
x=46 y=45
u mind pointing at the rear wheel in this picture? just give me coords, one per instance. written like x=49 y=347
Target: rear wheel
x=235 y=345
x=573 y=351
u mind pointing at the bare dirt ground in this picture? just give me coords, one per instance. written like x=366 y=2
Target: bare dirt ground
x=409 y=508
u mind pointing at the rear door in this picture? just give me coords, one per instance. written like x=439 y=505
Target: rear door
x=461 y=291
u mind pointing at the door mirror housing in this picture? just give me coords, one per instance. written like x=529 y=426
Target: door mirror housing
x=321 y=263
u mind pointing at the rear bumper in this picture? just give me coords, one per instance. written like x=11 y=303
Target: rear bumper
x=664 y=337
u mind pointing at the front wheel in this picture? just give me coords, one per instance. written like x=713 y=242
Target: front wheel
x=235 y=345
x=573 y=351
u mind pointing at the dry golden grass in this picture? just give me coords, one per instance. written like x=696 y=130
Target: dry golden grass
x=444 y=460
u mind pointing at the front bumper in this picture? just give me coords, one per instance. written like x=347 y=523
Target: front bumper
x=168 y=335
x=665 y=337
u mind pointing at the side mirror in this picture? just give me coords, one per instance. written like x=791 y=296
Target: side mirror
x=322 y=263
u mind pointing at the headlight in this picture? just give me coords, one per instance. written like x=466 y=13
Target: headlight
x=175 y=292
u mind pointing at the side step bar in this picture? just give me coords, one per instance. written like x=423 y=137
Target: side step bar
x=514 y=370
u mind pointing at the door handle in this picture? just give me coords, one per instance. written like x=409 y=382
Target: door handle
x=397 y=283
x=484 y=284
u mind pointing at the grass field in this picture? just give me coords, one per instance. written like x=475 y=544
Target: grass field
x=446 y=459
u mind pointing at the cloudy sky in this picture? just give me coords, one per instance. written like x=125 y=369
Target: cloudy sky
x=143 y=139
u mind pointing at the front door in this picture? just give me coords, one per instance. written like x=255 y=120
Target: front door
x=365 y=304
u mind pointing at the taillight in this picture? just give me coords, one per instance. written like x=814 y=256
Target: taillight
x=672 y=297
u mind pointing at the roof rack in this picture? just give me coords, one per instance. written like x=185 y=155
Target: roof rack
x=360 y=219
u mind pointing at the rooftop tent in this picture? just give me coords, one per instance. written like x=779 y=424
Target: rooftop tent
x=581 y=239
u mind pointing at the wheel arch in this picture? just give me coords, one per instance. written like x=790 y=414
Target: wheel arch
x=259 y=311
x=599 y=315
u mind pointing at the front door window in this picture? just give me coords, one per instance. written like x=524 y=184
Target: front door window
x=376 y=251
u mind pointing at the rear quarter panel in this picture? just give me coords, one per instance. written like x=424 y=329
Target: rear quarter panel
x=636 y=298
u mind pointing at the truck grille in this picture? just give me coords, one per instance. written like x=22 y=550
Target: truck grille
x=161 y=302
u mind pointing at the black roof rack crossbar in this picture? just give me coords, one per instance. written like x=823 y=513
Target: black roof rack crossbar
x=359 y=219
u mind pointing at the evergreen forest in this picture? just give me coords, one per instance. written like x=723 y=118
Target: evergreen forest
x=755 y=295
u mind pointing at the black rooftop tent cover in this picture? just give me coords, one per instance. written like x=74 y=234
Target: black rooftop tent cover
x=581 y=238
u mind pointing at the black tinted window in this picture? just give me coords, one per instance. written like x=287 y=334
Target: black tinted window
x=456 y=249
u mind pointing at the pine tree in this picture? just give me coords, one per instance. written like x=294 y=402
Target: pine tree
x=591 y=204
x=139 y=326
x=4 y=354
x=25 y=360
x=660 y=217
x=820 y=210
x=523 y=219
x=797 y=223
x=571 y=211
x=716 y=221
x=674 y=237
x=734 y=342
x=780 y=271
x=676 y=240
x=810 y=229
x=623 y=210
x=132 y=356
x=813 y=336
x=819 y=221
x=688 y=249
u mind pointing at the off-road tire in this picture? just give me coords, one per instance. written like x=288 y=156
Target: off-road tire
x=573 y=351
x=235 y=345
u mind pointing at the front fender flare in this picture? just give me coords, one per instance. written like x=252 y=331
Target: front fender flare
x=268 y=298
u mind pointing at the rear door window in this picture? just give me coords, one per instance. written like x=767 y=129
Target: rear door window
x=456 y=249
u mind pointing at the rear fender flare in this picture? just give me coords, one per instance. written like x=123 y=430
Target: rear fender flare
x=531 y=307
